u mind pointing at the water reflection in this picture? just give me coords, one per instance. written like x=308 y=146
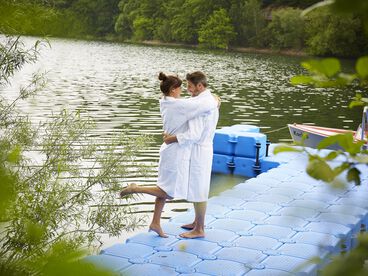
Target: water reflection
x=117 y=85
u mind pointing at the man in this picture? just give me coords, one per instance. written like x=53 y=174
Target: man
x=200 y=164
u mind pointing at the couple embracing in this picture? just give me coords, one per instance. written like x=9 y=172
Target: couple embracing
x=186 y=154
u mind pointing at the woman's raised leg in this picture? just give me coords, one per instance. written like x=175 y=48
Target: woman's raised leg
x=136 y=189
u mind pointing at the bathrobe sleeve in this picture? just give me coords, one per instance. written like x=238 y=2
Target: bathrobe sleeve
x=193 y=107
x=194 y=132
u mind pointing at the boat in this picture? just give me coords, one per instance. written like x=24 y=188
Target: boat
x=313 y=135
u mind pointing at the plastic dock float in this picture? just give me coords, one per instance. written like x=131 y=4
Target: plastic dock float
x=271 y=224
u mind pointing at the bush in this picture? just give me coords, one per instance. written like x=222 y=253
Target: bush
x=218 y=31
x=30 y=19
x=334 y=34
x=142 y=28
x=286 y=30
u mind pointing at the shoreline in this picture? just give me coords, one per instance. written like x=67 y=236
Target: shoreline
x=252 y=50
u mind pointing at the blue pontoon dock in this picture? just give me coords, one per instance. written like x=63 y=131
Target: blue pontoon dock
x=272 y=224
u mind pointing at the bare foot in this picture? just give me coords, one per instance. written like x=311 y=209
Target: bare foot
x=128 y=190
x=193 y=234
x=158 y=230
x=189 y=226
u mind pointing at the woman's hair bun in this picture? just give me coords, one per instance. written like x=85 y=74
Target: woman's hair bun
x=162 y=76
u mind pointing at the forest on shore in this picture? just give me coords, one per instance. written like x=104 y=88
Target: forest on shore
x=267 y=24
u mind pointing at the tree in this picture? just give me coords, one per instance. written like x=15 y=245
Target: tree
x=142 y=28
x=217 y=32
x=290 y=3
x=329 y=33
x=248 y=21
x=100 y=15
x=286 y=30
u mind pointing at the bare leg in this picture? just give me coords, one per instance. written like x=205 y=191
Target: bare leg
x=136 y=189
x=198 y=230
x=155 y=224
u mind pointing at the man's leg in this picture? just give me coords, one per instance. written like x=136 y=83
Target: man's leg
x=200 y=213
x=156 y=220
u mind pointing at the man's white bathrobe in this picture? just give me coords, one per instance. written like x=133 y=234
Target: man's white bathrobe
x=199 y=138
x=173 y=172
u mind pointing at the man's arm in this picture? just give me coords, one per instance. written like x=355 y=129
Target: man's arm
x=191 y=136
x=196 y=106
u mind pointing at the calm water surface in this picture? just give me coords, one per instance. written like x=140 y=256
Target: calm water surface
x=117 y=85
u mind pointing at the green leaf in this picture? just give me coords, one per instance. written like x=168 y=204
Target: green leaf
x=355 y=103
x=361 y=159
x=331 y=156
x=35 y=232
x=346 y=141
x=339 y=169
x=14 y=155
x=320 y=170
x=331 y=66
x=327 y=67
x=348 y=77
x=284 y=148
x=354 y=175
x=362 y=67
x=331 y=140
x=301 y=79
x=7 y=194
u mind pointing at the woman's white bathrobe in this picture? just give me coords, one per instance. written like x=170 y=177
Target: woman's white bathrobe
x=174 y=164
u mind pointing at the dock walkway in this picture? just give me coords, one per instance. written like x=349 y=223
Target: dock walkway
x=269 y=225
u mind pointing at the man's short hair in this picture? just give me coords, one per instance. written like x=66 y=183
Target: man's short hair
x=197 y=78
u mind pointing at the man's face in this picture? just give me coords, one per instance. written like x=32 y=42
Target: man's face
x=193 y=90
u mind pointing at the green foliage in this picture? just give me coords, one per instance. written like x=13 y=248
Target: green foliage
x=31 y=19
x=142 y=28
x=123 y=26
x=358 y=7
x=248 y=21
x=362 y=69
x=352 y=263
x=319 y=167
x=217 y=32
x=13 y=53
x=320 y=170
x=286 y=30
x=291 y=3
x=323 y=32
x=285 y=148
x=334 y=34
x=327 y=73
x=163 y=31
x=98 y=15
x=52 y=205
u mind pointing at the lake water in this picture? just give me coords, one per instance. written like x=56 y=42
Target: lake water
x=117 y=85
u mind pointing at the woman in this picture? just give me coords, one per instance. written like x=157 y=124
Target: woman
x=174 y=158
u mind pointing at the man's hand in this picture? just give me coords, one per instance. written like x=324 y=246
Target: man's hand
x=169 y=139
x=217 y=98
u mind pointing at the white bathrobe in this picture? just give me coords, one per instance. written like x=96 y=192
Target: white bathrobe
x=173 y=172
x=200 y=135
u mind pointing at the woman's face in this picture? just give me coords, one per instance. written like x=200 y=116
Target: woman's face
x=176 y=92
